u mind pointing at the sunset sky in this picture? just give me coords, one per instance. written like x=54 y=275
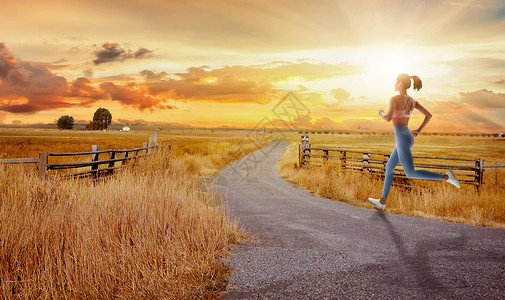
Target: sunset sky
x=213 y=63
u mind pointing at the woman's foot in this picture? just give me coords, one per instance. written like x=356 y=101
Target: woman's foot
x=377 y=203
x=452 y=178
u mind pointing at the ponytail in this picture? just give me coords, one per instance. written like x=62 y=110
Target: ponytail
x=418 y=84
x=405 y=80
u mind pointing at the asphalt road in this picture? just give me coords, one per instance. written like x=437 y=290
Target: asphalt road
x=309 y=247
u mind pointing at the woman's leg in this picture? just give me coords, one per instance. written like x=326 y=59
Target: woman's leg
x=404 y=142
x=390 y=169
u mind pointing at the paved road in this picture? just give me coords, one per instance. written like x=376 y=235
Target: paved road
x=314 y=248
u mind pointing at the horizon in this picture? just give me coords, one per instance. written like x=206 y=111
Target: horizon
x=217 y=63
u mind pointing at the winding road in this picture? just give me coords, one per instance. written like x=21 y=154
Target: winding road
x=308 y=247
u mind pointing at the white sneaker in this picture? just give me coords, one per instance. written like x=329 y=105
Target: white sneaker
x=377 y=203
x=452 y=178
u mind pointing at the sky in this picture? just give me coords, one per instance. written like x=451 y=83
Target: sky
x=229 y=63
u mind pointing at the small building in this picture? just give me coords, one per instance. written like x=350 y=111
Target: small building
x=126 y=128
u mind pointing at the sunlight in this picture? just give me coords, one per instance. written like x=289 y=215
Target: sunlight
x=385 y=65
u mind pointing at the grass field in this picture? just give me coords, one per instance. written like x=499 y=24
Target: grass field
x=428 y=199
x=152 y=231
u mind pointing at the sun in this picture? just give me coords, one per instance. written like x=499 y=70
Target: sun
x=386 y=64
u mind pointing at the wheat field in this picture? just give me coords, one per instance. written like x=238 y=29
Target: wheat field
x=152 y=231
x=156 y=230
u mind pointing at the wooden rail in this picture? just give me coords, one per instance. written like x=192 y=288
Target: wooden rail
x=468 y=171
x=95 y=171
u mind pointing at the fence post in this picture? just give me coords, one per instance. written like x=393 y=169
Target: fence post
x=343 y=159
x=305 y=153
x=300 y=155
x=366 y=162
x=306 y=156
x=479 y=179
x=150 y=143
x=43 y=162
x=155 y=138
x=386 y=159
x=94 y=157
x=112 y=155
x=144 y=145
x=325 y=156
x=135 y=158
x=124 y=156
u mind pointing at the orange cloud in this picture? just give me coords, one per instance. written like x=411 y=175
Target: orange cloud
x=131 y=95
x=477 y=110
x=483 y=99
x=29 y=87
x=244 y=84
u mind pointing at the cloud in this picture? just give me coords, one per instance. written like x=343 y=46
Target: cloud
x=83 y=87
x=7 y=61
x=283 y=70
x=29 y=87
x=350 y=124
x=240 y=84
x=500 y=81
x=466 y=4
x=88 y=73
x=110 y=52
x=483 y=99
x=3 y=117
x=198 y=85
x=341 y=95
x=142 y=122
x=477 y=110
x=305 y=121
x=131 y=95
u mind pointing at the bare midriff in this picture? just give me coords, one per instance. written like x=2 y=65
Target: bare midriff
x=400 y=121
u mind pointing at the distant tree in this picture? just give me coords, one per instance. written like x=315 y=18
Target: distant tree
x=95 y=125
x=103 y=116
x=65 y=122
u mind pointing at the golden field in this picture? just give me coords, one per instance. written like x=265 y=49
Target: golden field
x=152 y=231
x=426 y=199
x=155 y=231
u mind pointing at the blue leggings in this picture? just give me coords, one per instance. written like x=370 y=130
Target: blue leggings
x=401 y=153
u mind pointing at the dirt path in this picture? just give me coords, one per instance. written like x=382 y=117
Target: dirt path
x=314 y=248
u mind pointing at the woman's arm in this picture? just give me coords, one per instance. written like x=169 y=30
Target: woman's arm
x=389 y=116
x=427 y=117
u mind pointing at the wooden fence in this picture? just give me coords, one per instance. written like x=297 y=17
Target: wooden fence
x=126 y=157
x=468 y=171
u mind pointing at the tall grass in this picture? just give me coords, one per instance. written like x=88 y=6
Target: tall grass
x=435 y=200
x=152 y=231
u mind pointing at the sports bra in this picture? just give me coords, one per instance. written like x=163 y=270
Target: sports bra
x=409 y=103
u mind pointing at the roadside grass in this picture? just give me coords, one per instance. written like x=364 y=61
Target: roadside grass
x=152 y=231
x=426 y=199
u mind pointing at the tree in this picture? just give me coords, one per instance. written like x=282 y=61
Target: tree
x=65 y=122
x=95 y=125
x=103 y=116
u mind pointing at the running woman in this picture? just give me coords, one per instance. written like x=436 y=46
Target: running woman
x=400 y=110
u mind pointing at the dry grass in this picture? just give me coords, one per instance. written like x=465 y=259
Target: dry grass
x=427 y=199
x=152 y=231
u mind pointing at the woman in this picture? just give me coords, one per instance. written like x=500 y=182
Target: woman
x=400 y=110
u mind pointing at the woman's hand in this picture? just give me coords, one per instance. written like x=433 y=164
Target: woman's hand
x=381 y=112
x=415 y=132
